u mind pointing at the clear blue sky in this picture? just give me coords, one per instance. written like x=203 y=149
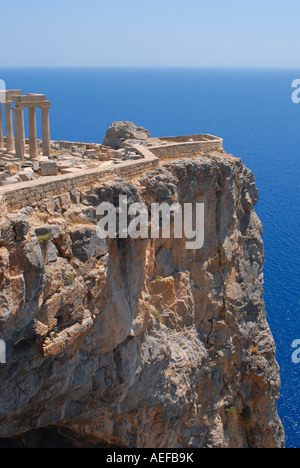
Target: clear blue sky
x=150 y=33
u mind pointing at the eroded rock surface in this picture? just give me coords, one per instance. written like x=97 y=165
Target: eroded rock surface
x=120 y=132
x=140 y=343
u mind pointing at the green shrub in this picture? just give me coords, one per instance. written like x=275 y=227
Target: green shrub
x=45 y=237
x=231 y=410
x=156 y=314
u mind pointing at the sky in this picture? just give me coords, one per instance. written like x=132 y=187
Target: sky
x=181 y=33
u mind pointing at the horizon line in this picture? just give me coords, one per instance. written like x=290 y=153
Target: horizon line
x=157 y=66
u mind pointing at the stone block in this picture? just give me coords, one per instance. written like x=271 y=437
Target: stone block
x=91 y=152
x=65 y=164
x=36 y=165
x=48 y=168
x=26 y=175
x=11 y=180
x=12 y=168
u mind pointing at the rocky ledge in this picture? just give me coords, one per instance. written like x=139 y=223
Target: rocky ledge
x=139 y=342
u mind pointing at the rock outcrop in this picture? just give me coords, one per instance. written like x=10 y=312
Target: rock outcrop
x=121 y=132
x=139 y=342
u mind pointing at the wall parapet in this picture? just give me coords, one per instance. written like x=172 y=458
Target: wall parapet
x=17 y=196
x=182 y=147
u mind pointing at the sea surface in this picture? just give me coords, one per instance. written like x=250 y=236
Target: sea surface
x=252 y=110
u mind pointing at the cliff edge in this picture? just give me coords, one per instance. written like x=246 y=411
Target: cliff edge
x=139 y=342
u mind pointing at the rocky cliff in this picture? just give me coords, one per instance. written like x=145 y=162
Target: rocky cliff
x=139 y=342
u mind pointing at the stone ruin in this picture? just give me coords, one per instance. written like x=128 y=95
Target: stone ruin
x=13 y=147
x=16 y=145
x=24 y=159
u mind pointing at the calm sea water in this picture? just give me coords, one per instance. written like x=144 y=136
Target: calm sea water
x=252 y=110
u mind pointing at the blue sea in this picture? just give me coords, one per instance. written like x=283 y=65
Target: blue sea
x=252 y=110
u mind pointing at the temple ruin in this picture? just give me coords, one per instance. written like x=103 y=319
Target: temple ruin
x=32 y=170
x=15 y=103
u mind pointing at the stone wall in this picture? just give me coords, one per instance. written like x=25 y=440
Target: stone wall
x=18 y=196
x=187 y=138
x=187 y=149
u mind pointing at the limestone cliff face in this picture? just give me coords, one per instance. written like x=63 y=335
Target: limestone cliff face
x=140 y=343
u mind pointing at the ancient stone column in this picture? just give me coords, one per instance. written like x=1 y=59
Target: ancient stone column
x=1 y=128
x=9 y=127
x=33 y=148
x=19 y=126
x=46 y=132
x=23 y=132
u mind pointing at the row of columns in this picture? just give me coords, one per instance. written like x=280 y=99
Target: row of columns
x=17 y=144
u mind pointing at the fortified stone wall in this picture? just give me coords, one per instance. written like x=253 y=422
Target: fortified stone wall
x=190 y=138
x=187 y=149
x=18 y=196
